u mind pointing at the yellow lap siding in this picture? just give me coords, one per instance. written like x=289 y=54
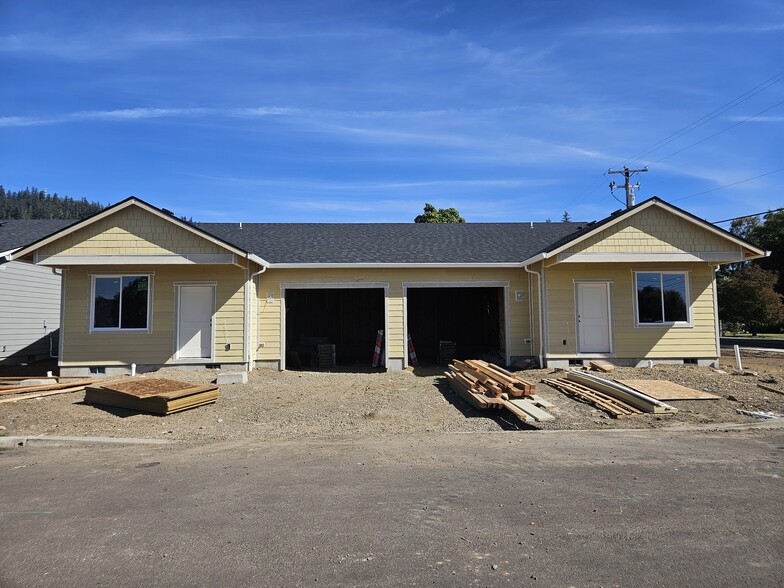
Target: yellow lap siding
x=631 y=341
x=131 y=231
x=653 y=230
x=157 y=347
x=270 y=312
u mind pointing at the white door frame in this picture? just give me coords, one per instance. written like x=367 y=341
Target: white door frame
x=331 y=286
x=610 y=321
x=481 y=284
x=177 y=289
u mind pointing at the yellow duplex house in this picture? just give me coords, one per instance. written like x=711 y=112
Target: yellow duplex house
x=143 y=287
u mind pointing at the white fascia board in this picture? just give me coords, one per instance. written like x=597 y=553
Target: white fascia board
x=535 y=259
x=621 y=217
x=258 y=260
x=691 y=256
x=112 y=210
x=6 y=256
x=61 y=260
x=392 y=265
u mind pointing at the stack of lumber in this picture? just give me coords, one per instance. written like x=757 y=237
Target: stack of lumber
x=616 y=398
x=155 y=395
x=485 y=385
x=616 y=408
x=15 y=389
x=493 y=380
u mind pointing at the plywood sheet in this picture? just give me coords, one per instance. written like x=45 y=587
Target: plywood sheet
x=666 y=390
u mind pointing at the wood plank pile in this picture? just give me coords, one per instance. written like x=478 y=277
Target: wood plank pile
x=616 y=398
x=617 y=408
x=154 y=395
x=13 y=389
x=488 y=386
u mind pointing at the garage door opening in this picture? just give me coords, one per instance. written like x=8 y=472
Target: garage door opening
x=471 y=318
x=348 y=318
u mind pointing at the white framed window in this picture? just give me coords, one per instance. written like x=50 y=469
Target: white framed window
x=120 y=302
x=662 y=299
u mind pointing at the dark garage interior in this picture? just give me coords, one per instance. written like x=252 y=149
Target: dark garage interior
x=348 y=318
x=470 y=317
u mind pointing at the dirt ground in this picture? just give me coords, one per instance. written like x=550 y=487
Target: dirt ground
x=291 y=405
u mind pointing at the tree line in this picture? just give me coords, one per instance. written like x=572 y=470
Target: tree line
x=751 y=294
x=32 y=203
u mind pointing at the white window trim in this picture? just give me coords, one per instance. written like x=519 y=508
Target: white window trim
x=91 y=304
x=688 y=323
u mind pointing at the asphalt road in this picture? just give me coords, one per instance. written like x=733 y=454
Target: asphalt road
x=626 y=508
x=753 y=342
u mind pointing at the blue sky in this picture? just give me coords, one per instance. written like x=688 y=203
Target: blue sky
x=361 y=111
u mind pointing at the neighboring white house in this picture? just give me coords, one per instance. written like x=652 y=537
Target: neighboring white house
x=29 y=296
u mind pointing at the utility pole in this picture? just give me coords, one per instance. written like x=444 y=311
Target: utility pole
x=627 y=173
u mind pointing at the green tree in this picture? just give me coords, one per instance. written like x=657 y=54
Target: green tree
x=566 y=218
x=769 y=235
x=748 y=297
x=34 y=203
x=441 y=215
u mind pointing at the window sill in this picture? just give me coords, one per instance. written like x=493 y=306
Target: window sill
x=664 y=325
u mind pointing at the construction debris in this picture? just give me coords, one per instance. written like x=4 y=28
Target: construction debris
x=486 y=385
x=601 y=366
x=155 y=395
x=617 y=408
x=666 y=390
x=618 y=391
x=760 y=414
x=770 y=389
x=14 y=393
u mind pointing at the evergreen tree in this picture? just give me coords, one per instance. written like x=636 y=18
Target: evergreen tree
x=32 y=203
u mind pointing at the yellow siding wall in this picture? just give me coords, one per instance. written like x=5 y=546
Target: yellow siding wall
x=631 y=341
x=122 y=348
x=653 y=230
x=269 y=344
x=131 y=231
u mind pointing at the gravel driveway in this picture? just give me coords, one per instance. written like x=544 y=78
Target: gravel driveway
x=291 y=405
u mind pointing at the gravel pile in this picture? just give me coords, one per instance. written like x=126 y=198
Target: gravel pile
x=291 y=405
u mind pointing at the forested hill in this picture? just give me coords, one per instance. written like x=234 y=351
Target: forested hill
x=35 y=203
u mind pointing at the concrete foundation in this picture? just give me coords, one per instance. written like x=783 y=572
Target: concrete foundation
x=267 y=364
x=395 y=364
x=233 y=377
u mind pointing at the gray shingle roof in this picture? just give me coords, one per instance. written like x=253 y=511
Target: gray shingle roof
x=17 y=233
x=392 y=242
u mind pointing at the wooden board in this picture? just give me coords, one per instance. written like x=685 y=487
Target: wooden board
x=531 y=409
x=601 y=366
x=144 y=387
x=666 y=390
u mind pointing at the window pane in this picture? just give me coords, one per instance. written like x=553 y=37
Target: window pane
x=649 y=299
x=674 y=297
x=106 y=312
x=134 y=302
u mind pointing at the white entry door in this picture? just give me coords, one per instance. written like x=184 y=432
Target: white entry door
x=195 y=307
x=593 y=317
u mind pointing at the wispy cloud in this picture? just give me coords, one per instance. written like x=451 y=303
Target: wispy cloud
x=677 y=29
x=757 y=119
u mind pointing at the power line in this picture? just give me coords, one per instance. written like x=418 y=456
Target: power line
x=708 y=117
x=717 y=133
x=726 y=220
x=775 y=171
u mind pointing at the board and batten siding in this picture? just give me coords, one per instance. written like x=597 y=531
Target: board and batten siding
x=269 y=319
x=632 y=341
x=82 y=348
x=29 y=311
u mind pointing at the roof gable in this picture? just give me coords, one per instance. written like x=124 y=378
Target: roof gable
x=130 y=227
x=654 y=227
